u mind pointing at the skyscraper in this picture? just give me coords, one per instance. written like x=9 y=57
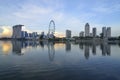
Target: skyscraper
x=81 y=34
x=17 y=33
x=104 y=32
x=68 y=34
x=108 y=32
x=94 y=32
x=22 y=34
x=87 y=30
x=90 y=34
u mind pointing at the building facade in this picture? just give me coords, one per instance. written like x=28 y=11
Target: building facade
x=68 y=34
x=94 y=32
x=91 y=35
x=81 y=34
x=104 y=32
x=108 y=32
x=17 y=31
x=87 y=30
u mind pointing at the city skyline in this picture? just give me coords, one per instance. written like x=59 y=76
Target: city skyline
x=72 y=15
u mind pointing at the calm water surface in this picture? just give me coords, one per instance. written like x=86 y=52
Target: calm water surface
x=59 y=61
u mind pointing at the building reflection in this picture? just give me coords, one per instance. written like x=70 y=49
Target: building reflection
x=87 y=51
x=87 y=46
x=68 y=46
x=41 y=44
x=94 y=48
x=81 y=46
x=106 y=49
x=18 y=46
x=119 y=44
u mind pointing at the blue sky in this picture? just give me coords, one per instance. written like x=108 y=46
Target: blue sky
x=67 y=14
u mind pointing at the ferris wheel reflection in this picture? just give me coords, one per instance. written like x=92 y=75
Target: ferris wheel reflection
x=51 y=51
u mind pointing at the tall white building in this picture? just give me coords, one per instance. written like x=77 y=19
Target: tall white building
x=108 y=32
x=81 y=34
x=17 y=33
x=68 y=33
x=87 y=30
x=94 y=32
x=91 y=35
x=104 y=30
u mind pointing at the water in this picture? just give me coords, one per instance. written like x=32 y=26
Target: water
x=59 y=61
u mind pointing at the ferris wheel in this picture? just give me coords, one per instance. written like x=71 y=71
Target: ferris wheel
x=51 y=27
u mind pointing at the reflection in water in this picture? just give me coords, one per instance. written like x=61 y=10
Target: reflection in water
x=81 y=46
x=17 y=46
x=6 y=47
x=87 y=51
x=94 y=48
x=53 y=63
x=51 y=51
x=68 y=46
x=106 y=49
x=20 y=47
x=42 y=44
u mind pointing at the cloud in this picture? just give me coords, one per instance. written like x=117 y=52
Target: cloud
x=59 y=34
x=6 y=31
x=24 y=28
x=107 y=8
x=31 y=12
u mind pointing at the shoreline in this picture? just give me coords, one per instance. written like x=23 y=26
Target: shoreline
x=86 y=40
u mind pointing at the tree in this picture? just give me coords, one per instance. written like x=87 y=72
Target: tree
x=101 y=35
x=119 y=37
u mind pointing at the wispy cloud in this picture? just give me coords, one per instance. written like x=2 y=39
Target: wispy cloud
x=107 y=7
x=32 y=12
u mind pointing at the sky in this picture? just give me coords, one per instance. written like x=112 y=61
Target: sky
x=67 y=14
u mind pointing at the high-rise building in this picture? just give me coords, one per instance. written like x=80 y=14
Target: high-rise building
x=91 y=35
x=87 y=30
x=104 y=32
x=26 y=34
x=34 y=34
x=30 y=35
x=108 y=32
x=22 y=34
x=68 y=34
x=81 y=34
x=17 y=31
x=94 y=32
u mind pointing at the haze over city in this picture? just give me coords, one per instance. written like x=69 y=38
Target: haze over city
x=67 y=14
